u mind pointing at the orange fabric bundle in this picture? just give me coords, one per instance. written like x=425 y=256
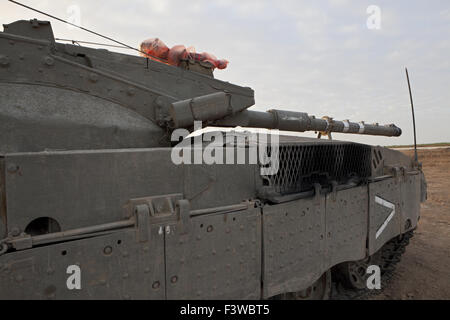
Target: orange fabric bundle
x=218 y=63
x=176 y=54
x=155 y=48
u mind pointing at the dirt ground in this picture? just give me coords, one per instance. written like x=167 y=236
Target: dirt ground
x=424 y=271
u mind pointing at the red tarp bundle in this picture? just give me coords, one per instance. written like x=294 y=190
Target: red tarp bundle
x=155 y=48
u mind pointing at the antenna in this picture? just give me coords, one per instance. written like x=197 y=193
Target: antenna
x=413 y=117
x=93 y=43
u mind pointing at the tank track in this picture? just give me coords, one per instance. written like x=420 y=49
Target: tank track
x=391 y=254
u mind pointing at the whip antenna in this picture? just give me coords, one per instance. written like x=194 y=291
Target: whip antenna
x=413 y=117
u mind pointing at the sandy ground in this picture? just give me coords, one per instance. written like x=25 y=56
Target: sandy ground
x=424 y=271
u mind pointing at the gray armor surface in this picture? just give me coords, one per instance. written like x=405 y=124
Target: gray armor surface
x=86 y=179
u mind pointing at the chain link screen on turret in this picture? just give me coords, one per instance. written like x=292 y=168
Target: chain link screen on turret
x=300 y=166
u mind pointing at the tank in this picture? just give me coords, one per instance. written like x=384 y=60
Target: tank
x=106 y=191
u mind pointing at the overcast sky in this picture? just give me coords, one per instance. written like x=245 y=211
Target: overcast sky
x=318 y=57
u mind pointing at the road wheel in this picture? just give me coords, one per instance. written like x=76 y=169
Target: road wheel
x=353 y=274
x=319 y=290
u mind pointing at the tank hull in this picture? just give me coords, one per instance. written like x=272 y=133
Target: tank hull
x=227 y=243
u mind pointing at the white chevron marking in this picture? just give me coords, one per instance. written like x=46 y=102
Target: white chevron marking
x=386 y=204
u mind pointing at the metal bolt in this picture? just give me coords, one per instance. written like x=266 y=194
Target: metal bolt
x=49 y=61
x=4 y=61
x=130 y=91
x=93 y=77
x=107 y=250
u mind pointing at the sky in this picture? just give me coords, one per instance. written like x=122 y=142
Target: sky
x=339 y=58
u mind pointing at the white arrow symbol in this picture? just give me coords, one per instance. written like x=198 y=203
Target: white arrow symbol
x=386 y=204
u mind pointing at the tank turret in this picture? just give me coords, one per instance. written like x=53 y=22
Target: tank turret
x=73 y=97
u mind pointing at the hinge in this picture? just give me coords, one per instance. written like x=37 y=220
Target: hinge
x=166 y=211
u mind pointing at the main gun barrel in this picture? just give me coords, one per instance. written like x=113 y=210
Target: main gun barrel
x=301 y=122
x=219 y=109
